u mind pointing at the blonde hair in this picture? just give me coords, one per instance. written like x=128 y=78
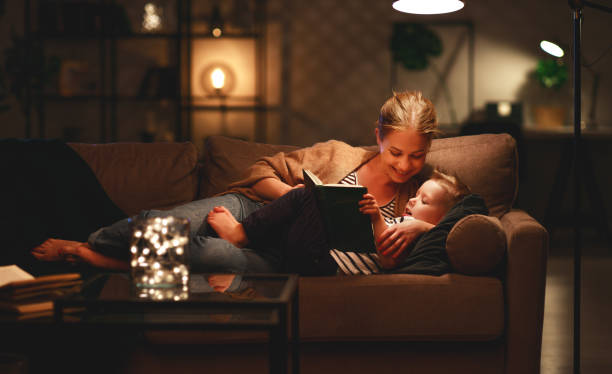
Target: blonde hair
x=408 y=109
x=455 y=188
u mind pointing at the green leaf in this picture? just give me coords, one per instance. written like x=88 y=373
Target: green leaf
x=412 y=44
x=551 y=73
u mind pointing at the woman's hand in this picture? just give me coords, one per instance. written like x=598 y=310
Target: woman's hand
x=394 y=240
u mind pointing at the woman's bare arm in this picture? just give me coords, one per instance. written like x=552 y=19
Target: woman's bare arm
x=392 y=243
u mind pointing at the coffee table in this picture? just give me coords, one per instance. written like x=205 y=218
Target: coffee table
x=211 y=302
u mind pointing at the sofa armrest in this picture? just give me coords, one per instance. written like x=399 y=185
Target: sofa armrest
x=527 y=252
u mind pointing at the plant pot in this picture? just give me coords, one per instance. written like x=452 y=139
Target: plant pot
x=548 y=116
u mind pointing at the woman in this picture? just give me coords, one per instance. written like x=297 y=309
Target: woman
x=404 y=130
x=293 y=228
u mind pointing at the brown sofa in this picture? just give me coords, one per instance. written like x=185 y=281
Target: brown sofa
x=485 y=317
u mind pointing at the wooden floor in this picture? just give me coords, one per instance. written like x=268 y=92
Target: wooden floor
x=596 y=311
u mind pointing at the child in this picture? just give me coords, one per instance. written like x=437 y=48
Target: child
x=433 y=200
x=292 y=226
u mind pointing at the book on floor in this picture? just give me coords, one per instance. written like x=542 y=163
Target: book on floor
x=21 y=292
x=347 y=228
x=26 y=306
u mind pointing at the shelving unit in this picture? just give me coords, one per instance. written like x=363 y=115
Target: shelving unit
x=113 y=94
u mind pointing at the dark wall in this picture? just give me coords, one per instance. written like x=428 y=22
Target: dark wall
x=546 y=159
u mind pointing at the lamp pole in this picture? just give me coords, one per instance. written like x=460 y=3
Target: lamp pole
x=577 y=6
x=577 y=24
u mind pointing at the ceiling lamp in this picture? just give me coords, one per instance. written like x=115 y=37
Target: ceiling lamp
x=427 y=6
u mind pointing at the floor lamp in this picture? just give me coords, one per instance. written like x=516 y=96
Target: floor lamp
x=577 y=6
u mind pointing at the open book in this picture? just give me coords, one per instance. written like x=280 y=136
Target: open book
x=347 y=228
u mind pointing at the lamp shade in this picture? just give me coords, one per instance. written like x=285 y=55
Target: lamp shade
x=551 y=48
x=428 y=6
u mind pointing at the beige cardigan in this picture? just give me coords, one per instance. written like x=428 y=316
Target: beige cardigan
x=330 y=161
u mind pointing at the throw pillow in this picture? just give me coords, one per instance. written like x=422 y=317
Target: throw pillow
x=476 y=244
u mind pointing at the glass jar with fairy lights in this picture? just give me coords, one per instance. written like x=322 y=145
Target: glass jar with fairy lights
x=158 y=258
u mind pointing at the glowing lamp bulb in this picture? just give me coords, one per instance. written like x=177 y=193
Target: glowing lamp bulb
x=504 y=109
x=551 y=48
x=217 y=77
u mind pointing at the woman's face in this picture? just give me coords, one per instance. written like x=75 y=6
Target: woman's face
x=402 y=153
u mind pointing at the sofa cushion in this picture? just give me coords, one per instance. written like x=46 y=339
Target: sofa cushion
x=139 y=176
x=384 y=307
x=450 y=307
x=225 y=159
x=476 y=244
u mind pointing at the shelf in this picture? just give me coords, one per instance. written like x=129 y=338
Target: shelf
x=60 y=98
x=102 y=28
x=88 y=37
x=201 y=35
x=235 y=108
x=52 y=97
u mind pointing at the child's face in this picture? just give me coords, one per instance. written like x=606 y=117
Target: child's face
x=430 y=203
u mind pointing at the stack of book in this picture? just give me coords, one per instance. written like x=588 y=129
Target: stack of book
x=29 y=296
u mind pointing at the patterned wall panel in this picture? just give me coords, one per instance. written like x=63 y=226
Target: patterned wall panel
x=340 y=68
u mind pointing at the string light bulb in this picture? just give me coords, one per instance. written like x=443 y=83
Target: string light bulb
x=152 y=18
x=158 y=256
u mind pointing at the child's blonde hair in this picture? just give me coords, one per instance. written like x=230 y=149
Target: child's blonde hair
x=456 y=189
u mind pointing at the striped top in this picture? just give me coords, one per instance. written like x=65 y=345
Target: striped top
x=363 y=263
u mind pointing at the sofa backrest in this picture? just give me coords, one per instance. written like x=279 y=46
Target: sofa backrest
x=139 y=176
x=225 y=160
x=488 y=163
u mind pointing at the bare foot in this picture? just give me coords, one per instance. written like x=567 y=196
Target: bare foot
x=53 y=249
x=224 y=223
x=84 y=253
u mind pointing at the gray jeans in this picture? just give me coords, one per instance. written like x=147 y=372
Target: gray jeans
x=206 y=251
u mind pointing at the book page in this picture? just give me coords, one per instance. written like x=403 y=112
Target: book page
x=310 y=179
x=12 y=273
x=344 y=185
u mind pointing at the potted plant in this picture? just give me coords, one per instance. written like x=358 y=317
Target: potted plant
x=547 y=93
x=413 y=45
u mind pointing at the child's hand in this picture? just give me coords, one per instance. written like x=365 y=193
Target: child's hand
x=369 y=205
